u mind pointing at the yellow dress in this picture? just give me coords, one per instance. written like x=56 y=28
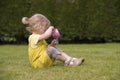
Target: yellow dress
x=37 y=52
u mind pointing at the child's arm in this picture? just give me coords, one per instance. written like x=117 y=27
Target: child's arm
x=47 y=34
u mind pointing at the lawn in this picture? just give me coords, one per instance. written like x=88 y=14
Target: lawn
x=102 y=63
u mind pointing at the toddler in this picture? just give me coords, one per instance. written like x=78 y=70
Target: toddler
x=40 y=53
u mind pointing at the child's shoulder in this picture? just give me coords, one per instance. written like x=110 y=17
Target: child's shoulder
x=34 y=36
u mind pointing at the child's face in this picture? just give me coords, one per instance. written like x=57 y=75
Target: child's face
x=40 y=29
x=46 y=28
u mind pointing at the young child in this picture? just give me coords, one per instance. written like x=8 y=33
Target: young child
x=40 y=53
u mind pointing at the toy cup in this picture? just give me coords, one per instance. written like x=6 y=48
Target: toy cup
x=56 y=34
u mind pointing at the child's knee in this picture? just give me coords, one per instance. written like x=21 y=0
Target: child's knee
x=50 y=49
x=53 y=52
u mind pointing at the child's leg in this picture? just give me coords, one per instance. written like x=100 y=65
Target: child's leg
x=56 y=53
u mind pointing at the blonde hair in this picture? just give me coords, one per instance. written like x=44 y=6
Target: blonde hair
x=37 y=23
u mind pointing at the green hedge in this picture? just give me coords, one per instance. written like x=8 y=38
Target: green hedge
x=77 y=20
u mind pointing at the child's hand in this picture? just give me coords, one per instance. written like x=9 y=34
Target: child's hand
x=52 y=27
x=54 y=42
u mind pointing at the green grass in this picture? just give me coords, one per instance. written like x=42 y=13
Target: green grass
x=102 y=63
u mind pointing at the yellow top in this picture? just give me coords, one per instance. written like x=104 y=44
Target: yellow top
x=37 y=52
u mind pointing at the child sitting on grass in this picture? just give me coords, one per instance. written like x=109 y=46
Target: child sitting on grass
x=40 y=53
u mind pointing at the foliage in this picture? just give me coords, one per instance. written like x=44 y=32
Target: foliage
x=77 y=20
